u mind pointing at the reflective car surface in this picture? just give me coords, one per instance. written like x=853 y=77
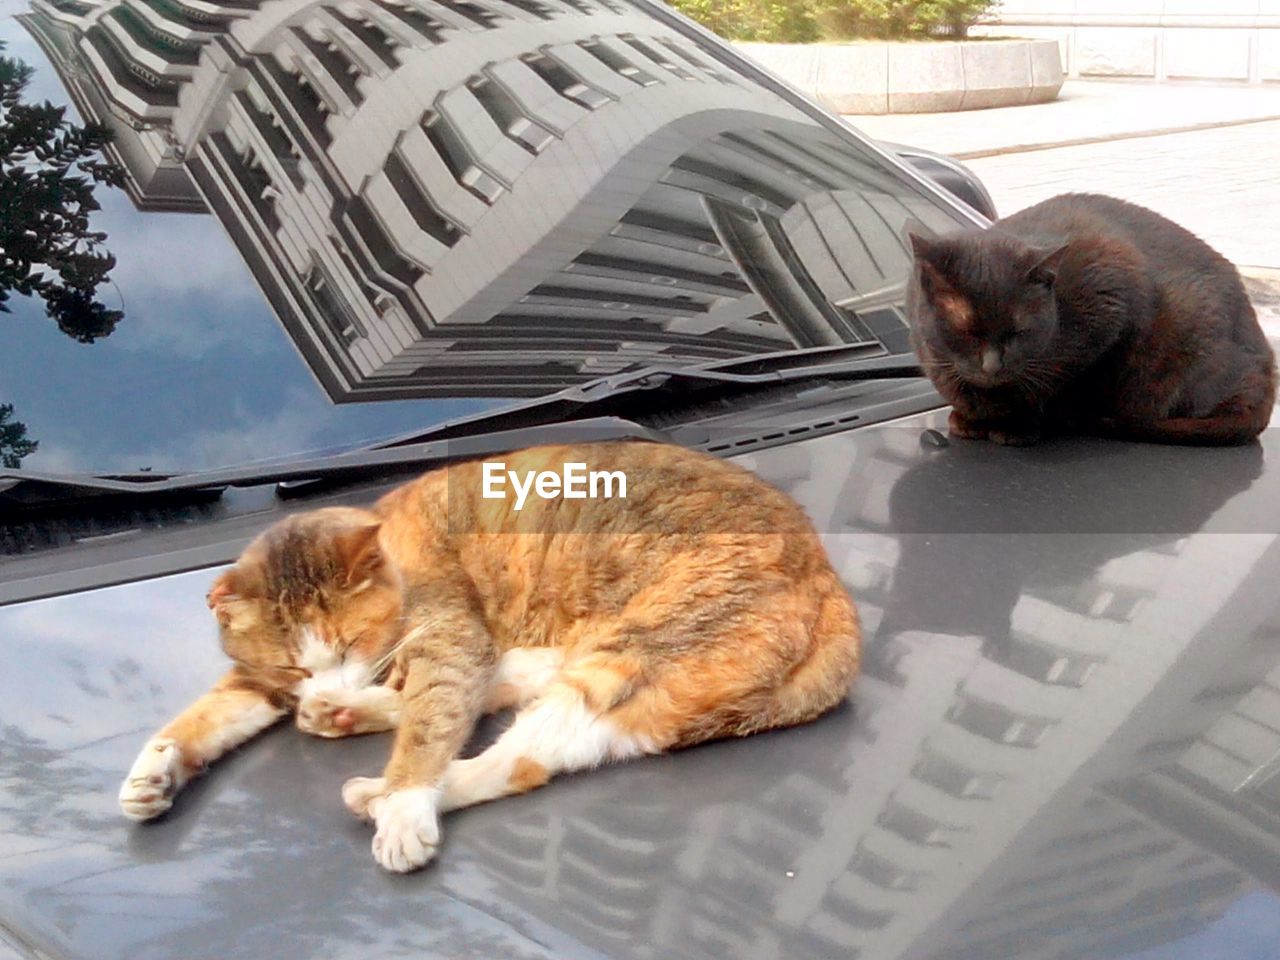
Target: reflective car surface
x=435 y=202
x=381 y=232
x=1064 y=744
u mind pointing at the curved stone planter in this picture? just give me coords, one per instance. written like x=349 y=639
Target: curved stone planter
x=921 y=77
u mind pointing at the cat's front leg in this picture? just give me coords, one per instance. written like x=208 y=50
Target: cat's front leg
x=222 y=719
x=1008 y=432
x=1015 y=434
x=448 y=670
x=966 y=427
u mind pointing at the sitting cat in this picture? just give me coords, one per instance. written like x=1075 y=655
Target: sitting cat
x=701 y=605
x=1088 y=314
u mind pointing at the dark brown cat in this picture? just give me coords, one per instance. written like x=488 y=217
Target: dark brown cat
x=1087 y=314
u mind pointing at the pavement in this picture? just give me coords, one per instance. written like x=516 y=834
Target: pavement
x=1204 y=155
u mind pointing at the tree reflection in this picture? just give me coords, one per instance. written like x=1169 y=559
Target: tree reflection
x=49 y=167
x=14 y=444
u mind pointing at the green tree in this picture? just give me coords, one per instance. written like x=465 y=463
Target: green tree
x=803 y=21
x=14 y=444
x=49 y=167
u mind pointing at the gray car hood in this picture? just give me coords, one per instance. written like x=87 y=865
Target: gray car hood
x=1064 y=744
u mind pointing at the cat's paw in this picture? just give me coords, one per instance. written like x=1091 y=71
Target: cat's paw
x=408 y=832
x=347 y=713
x=961 y=426
x=1014 y=438
x=362 y=795
x=321 y=717
x=153 y=780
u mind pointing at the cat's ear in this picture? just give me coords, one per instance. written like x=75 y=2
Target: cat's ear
x=924 y=245
x=919 y=238
x=359 y=551
x=1045 y=260
x=226 y=589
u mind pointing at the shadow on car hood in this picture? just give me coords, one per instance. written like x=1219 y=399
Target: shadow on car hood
x=1064 y=744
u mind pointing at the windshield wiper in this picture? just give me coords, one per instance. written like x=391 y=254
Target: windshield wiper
x=23 y=492
x=599 y=410
x=648 y=391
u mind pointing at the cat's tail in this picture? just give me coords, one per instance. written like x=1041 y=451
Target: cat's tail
x=1236 y=421
x=727 y=694
x=823 y=678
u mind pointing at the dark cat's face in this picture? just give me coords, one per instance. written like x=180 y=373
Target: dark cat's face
x=984 y=306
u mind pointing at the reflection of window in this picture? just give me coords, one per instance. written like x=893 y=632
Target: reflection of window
x=1061 y=898
x=254 y=181
x=883 y=872
x=533 y=8
x=1266 y=788
x=955 y=779
x=1103 y=865
x=658 y=57
x=616 y=62
x=855 y=914
x=144 y=33
x=702 y=65
x=481 y=16
x=1106 y=833
x=456 y=155
x=426 y=27
x=997 y=723
x=1230 y=691
x=425 y=213
x=342 y=70
x=913 y=826
x=307 y=104
x=1041 y=661
x=506 y=112
x=885 y=661
x=565 y=83
x=334 y=311
x=376 y=39
x=277 y=141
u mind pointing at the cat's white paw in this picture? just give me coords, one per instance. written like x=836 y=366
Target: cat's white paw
x=321 y=717
x=155 y=777
x=408 y=828
x=346 y=713
x=360 y=794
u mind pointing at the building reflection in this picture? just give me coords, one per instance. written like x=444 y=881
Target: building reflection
x=494 y=197
x=1063 y=747
x=1103 y=782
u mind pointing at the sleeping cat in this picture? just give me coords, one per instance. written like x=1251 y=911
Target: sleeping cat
x=1088 y=314
x=700 y=605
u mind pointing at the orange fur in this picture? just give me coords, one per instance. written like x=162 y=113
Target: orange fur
x=701 y=606
x=955 y=311
x=528 y=775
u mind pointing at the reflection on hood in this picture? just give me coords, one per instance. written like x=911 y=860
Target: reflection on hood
x=493 y=198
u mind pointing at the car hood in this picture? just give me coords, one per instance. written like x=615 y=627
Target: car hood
x=1064 y=744
x=340 y=225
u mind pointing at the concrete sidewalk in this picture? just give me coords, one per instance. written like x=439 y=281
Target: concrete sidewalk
x=1086 y=111
x=1206 y=156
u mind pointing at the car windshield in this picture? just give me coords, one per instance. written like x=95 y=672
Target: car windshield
x=330 y=224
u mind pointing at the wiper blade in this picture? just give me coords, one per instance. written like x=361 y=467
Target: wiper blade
x=890 y=366
x=599 y=410
x=23 y=492
x=641 y=392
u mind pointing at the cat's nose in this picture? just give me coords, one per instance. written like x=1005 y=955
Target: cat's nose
x=990 y=360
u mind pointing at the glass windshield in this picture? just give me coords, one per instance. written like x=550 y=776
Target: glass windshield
x=336 y=222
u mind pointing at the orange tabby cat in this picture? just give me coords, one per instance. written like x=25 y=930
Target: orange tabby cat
x=699 y=605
